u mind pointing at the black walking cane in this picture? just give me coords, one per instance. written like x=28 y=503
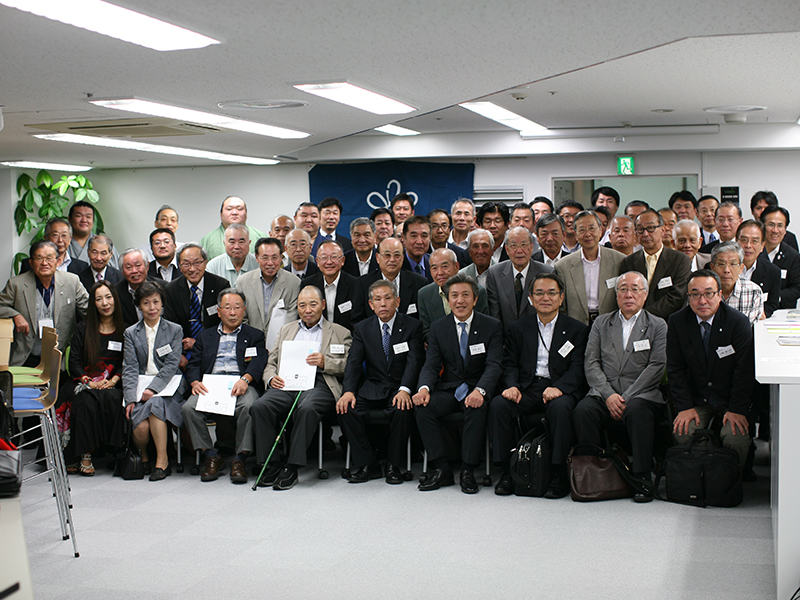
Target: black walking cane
x=277 y=439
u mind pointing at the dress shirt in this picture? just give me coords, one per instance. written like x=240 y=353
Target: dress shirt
x=627 y=327
x=102 y=274
x=457 y=323
x=695 y=265
x=150 y=332
x=462 y=244
x=591 y=275
x=774 y=253
x=330 y=296
x=363 y=265
x=310 y=334
x=524 y=273
x=226 y=362
x=482 y=278
x=167 y=273
x=414 y=264
x=300 y=274
x=651 y=260
x=568 y=250
x=496 y=255
x=267 y=288
x=710 y=320
x=132 y=292
x=747 y=298
x=395 y=281
x=543 y=352
x=199 y=293
x=551 y=262
x=65 y=265
x=222 y=265
x=748 y=273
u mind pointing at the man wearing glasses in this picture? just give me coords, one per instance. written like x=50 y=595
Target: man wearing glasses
x=727 y=220
x=727 y=261
x=338 y=287
x=781 y=254
x=667 y=270
x=710 y=365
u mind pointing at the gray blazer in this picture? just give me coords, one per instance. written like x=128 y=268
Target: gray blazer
x=134 y=362
x=570 y=268
x=19 y=298
x=500 y=291
x=286 y=287
x=628 y=372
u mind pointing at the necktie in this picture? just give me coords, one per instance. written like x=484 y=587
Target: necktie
x=651 y=266
x=705 y=332
x=195 y=313
x=445 y=303
x=518 y=289
x=418 y=269
x=461 y=390
x=385 y=340
x=98 y=277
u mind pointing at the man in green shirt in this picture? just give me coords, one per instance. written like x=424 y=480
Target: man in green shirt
x=233 y=210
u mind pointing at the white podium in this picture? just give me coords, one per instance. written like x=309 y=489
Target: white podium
x=779 y=365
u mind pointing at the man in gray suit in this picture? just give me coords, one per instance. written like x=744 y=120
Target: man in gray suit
x=43 y=296
x=625 y=359
x=590 y=273
x=507 y=281
x=479 y=246
x=271 y=291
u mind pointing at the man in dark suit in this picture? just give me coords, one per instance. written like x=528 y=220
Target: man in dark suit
x=550 y=232
x=234 y=349
x=330 y=213
x=134 y=270
x=441 y=226
x=298 y=247
x=163 y=245
x=59 y=231
x=710 y=365
x=727 y=219
x=542 y=373
x=390 y=262
x=467 y=349
x=100 y=251
x=390 y=346
x=417 y=242
x=667 y=270
x=506 y=282
x=757 y=268
x=782 y=255
x=761 y=200
x=338 y=287
x=363 y=257
x=494 y=218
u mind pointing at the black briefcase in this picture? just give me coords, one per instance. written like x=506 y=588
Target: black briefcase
x=530 y=462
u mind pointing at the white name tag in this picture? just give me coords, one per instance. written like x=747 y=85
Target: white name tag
x=764 y=296
x=665 y=282
x=610 y=283
x=641 y=345
x=412 y=309
x=783 y=273
x=400 y=348
x=280 y=304
x=337 y=348
x=724 y=351
x=566 y=349
x=211 y=310
x=248 y=352
x=45 y=323
x=115 y=346
x=345 y=306
x=477 y=349
x=164 y=350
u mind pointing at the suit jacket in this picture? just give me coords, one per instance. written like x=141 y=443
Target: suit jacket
x=790 y=239
x=696 y=378
x=410 y=284
x=629 y=372
x=566 y=371
x=461 y=254
x=285 y=290
x=311 y=268
x=768 y=278
x=426 y=264
x=351 y=263
x=500 y=291
x=539 y=255
x=430 y=306
x=204 y=353
x=129 y=314
x=345 y=295
x=177 y=301
x=368 y=374
x=112 y=275
x=668 y=288
x=19 y=298
x=483 y=368
x=75 y=266
x=134 y=362
x=570 y=268
x=344 y=242
x=154 y=273
x=788 y=261
x=332 y=334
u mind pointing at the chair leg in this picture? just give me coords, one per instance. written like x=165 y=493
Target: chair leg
x=346 y=470
x=487 y=480
x=323 y=474
x=60 y=479
x=424 y=465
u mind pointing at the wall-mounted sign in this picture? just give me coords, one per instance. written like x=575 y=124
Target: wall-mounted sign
x=625 y=165
x=729 y=194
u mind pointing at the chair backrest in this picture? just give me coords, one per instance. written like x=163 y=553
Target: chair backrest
x=6 y=337
x=54 y=366
x=49 y=341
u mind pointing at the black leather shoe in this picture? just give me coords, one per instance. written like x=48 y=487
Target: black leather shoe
x=393 y=474
x=558 y=488
x=211 y=469
x=159 y=473
x=437 y=479
x=365 y=473
x=642 y=498
x=504 y=487
x=468 y=483
x=286 y=480
x=270 y=475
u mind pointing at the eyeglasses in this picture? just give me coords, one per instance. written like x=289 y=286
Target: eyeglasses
x=722 y=264
x=548 y=293
x=590 y=229
x=727 y=219
x=44 y=259
x=707 y=295
x=102 y=253
x=185 y=264
x=297 y=244
x=440 y=226
x=515 y=245
x=389 y=255
x=772 y=225
x=648 y=229
x=328 y=257
x=633 y=290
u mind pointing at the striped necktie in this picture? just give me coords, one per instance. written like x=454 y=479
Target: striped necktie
x=195 y=313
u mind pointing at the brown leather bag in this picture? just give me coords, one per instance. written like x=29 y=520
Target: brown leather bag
x=599 y=474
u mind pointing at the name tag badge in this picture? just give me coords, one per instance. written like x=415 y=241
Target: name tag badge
x=641 y=345
x=115 y=346
x=249 y=352
x=412 y=309
x=337 y=348
x=280 y=304
x=400 y=348
x=211 y=310
x=724 y=351
x=164 y=350
x=783 y=273
x=566 y=349
x=610 y=283
x=45 y=323
x=477 y=349
x=665 y=282
x=345 y=306
x=764 y=296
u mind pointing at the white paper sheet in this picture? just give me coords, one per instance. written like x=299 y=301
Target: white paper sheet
x=293 y=368
x=218 y=399
x=276 y=321
x=172 y=386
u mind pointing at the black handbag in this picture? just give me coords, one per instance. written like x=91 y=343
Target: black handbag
x=530 y=462
x=129 y=463
x=599 y=474
x=701 y=473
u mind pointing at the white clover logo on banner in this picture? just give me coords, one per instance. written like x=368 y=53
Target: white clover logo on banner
x=381 y=201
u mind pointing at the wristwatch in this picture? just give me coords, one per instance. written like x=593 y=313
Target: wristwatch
x=481 y=391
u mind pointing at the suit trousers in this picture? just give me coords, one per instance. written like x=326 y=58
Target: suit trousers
x=195 y=422
x=443 y=403
x=736 y=442
x=269 y=411
x=640 y=417
x=558 y=413
x=354 y=423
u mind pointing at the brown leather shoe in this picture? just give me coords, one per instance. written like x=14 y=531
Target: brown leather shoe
x=238 y=472
x=211 y=470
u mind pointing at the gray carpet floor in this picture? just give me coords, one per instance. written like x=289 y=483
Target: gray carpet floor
x=183 y=539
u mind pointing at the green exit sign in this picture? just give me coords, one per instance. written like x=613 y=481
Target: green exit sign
x=625 y=165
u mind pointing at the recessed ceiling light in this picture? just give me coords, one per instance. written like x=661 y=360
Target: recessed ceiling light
x=503 y=116
x=144 y=147
x=734 y=109
x=116 y=22
x=262 y=104
x=663 y=110
x=28 y=164
x=351 y=95
x=396 y=130
x=156 y=109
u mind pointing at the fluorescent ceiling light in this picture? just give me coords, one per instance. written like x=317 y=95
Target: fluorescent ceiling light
x=116 y=22
x=356 y=97
x=156 y=109
x=129 y=145
x=27 y=164
x=396 y=130
x=503 y=116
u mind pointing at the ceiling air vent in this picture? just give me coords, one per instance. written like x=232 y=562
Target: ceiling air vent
x=129 y=128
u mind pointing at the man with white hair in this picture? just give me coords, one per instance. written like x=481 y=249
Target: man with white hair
x=480 y=245
x=688 y=239
x=237 y=259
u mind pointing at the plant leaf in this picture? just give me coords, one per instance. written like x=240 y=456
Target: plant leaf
x=62 y=186
x=27 y=200
x=72 y=183
x=81 y=180
x=18 y=258
x=24 y=182
x=80 y=194
x=98 y=221
x=92 y=196
x=20 y=216
x=44 y=178
x=37 y=196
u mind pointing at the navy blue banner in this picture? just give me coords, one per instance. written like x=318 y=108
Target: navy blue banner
x=363 y=187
